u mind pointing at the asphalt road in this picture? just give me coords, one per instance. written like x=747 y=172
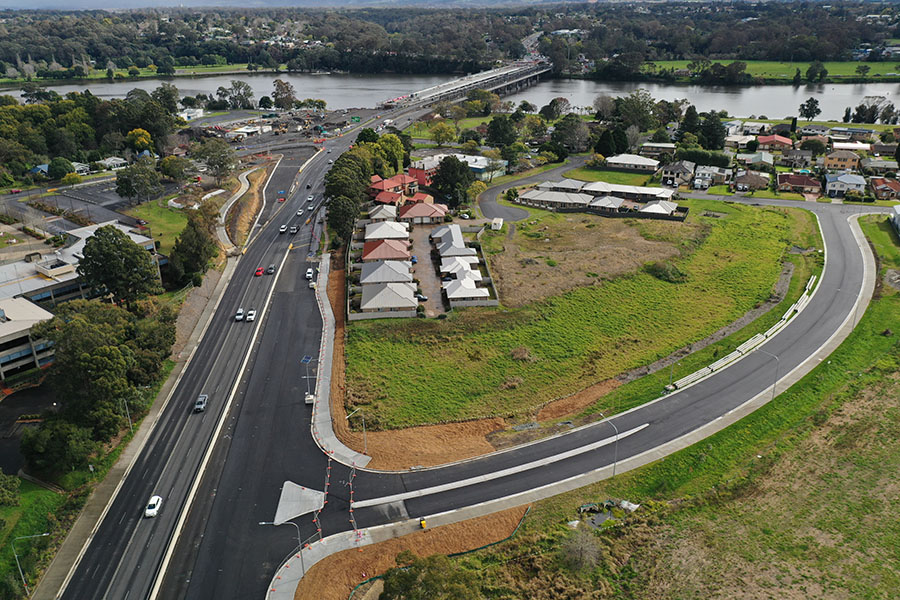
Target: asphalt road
x=488 y=200
x=224 y=553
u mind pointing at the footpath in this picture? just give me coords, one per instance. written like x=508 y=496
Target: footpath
x=56 y=577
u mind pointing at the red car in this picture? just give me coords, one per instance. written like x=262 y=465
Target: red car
x=281 y=199
x=259 y=272
x=14 y=191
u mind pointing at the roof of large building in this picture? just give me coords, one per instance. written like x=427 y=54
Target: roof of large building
x=632 y=160
x=476 y=163
x=19 y=315
x=385 y=296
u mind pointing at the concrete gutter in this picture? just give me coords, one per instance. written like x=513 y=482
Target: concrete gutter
x=286 y=580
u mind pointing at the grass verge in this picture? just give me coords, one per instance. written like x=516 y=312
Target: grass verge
x=165 y=223
x=609 y=176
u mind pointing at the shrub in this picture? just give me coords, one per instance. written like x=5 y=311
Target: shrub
x=666 y=271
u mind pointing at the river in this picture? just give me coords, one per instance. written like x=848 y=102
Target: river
x=359 y=91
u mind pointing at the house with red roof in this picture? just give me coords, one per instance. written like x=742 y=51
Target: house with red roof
x=422 y=213
x=774 y=142
x=385 y=250
x=799 y=183
x=885 y=189
x=401 y=184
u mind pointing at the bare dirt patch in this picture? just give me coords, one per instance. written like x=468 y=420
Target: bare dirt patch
x=336 y=576
x=241 y=216
x=578 y=401
x=557 y=253
x=191 y=310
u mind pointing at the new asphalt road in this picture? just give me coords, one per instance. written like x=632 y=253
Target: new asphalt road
x=224 y=553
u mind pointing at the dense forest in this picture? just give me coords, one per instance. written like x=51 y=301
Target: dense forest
x=618 y=38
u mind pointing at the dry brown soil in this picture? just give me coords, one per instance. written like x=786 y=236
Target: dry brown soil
x=586 y=249
x=242 y=214
x=336 y=576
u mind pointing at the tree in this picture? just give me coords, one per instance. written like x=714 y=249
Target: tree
x=59 y=167
x=432 y=578
x=167 y=96
x=240 y=95
x=847 y=114
x=114 y=264
x=495 y=161
x=442 y=133
x=572 y=132
x=689 y=124
x=342 y=214
x=527 y=107
x=70 y=179
x=469 y=135
x=501 y=131
x=533 y=127
x=475 y=189
x=265 y=103
x=367 y=134
x=284 y=95
x=604 y=106
x=165 y=66
x=636 y=109
x=139 y=140
x=194 y=248
x=863 y=70
x=798 y=78
x=752 y=145
x=57 y=446
x=809 y=110
x=393 y=151
x=606 y=145
x=452 y=178
x=218 y=156
x=713 y=132
x=816 y=72
x=897 y=153
x=815 y=146
x=175 y=167
x=138 y=180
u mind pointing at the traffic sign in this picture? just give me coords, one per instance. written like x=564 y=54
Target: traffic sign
x=354 y=119
x=306 y=360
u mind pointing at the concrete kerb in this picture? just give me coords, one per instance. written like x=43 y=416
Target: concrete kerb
x=57 y=576
x=321 y=427
x=221 y=233
x=284 y=584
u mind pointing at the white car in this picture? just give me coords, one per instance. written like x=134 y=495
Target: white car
x=309 y=273
x=153 y=506
x=282 y=229
x=310 y=198
x=239 y=315
x=251 y=315
x=300 y=213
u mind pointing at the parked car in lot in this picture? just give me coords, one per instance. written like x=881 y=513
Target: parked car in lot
x=251 y=315
x=421 y=297
x=153 y=506
x=413 y=259
x=259 y=272
x=200 y=403
x=270 y=269
x=282 y=229
x=309 y=273
x=239 y=315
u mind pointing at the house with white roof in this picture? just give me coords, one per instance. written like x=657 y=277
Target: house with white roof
x=386 y=230
x=461 y=290
x=383 y=212
x=113 y=162
x=386 y=271
x=659 y=207
x=837 y=185
x=632 y=162
x=389 y=297
x=19 y=351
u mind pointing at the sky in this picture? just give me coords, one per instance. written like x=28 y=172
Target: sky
x=128 y=4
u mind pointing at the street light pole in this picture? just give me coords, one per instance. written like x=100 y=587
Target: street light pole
x=16 y=554
x=365 y=439
x=777 y=362
x=299 y=541
x=128 y=415
x=616 y=449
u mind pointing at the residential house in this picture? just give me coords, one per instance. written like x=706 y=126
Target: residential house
x=386 y=271
x=659 y=207
x=733 y=127
x=609 y=204
x=464 y=289
x=484 y=169
x=388 y=297
x=19 y=351
x=383 y=213
x=841 y=160
x=885 y=189
x=799 y=183
x=851 y=146
x=706 y=176
x=878 y=166
x=449 y=242
x=393 y=198
x=81 y=168
x=632 y=162
x=813 y=130
x=795 y=159
x=421 y=197
x=837 y=185
x=387 y=230
x=774 y=142
x=113 y=162
x=657 y=149
x=757 y=159
x=634 y=193
x=783 y=129
x=738 y=141
x=883 y=149
x=401 y=184
x=678 y=173
x=753 y=128
x=39 y=169
x=423 y=213
x=385 y=250
x=551 y=200
x=748 y=181
x=851 y=134
x=818 y=138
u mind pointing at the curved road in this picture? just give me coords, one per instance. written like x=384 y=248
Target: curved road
x=222 y=552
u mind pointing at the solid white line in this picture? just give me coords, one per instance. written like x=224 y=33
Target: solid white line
x=543 y=462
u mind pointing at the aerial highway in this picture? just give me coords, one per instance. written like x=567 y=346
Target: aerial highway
x=222 y=551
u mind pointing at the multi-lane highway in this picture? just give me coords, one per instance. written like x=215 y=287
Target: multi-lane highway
x=223 y=552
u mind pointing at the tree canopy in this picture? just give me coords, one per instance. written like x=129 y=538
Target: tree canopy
x=112 y=263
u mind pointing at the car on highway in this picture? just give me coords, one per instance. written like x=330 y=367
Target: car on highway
x=282 y=229
x=281 y=192
x=251 y=315
x=200 y=403
x=312 y=284
x=308 y=185
x=294 y=229
x=281 y=198
x=15 y=191
x=309 y=273
x=153 y=506
x=310 y=198
x=329 y=151
x=330 y=162
x=300 y=212
x=239 y=315
x=271 y=269
x=259 y=272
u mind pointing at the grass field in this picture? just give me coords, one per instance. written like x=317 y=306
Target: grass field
x=422 y=130
x=794 y=501
x=98 y=74
x=165 y=223
x=783 y=70
x=474 y=357
x=33 y=515
x=609 y=176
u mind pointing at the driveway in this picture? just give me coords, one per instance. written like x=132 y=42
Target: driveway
x=426 y=271
x=488 y=200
